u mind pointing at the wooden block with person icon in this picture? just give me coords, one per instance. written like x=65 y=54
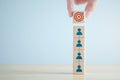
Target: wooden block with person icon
x=78 y=56
x=78 y=43
x=78 y=31
x=78 y=68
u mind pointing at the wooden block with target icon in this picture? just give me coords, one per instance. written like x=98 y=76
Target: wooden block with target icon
x=78 y=17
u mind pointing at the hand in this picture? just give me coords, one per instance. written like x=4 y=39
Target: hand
x=88 y=9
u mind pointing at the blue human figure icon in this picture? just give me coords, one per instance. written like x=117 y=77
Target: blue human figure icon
x=79 y=57
x=79 y=44
x=79 y=69
x=79 y=33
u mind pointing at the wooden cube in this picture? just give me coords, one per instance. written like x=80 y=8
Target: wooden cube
x=78 y=56
x=78 y=68
x=78 y=43
x=78 y=17
x=78 y=31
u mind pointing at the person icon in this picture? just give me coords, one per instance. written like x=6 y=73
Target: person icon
x=79 y=56
x=79 y=33
x=79 y=69
x=79 y=44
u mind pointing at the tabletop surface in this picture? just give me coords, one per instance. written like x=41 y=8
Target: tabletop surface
x=58 y=72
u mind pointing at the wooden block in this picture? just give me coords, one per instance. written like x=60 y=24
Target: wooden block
x=78 y=43
x=78 y=17
x=78 y=31
x=78 y=55
x=78 y=68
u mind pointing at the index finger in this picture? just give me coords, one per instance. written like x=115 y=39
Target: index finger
x=90 y=7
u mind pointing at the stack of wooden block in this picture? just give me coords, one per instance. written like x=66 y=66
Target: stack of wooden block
x=78 y=43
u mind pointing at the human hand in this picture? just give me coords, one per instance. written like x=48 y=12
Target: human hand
x=88 y=9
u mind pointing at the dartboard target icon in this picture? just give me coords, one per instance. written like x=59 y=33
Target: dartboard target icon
x=78 y=16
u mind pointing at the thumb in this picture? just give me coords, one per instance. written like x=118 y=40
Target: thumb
x=70 y=7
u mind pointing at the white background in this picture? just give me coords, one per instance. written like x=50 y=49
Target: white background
x=40 y=32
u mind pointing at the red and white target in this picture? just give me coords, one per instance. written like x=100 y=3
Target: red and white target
x=78 y=16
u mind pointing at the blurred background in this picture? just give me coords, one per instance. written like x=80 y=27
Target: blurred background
x=40 y=32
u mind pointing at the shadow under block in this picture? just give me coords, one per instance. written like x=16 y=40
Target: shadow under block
x=78 y=68
x=78 y=17
x=78 y=31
